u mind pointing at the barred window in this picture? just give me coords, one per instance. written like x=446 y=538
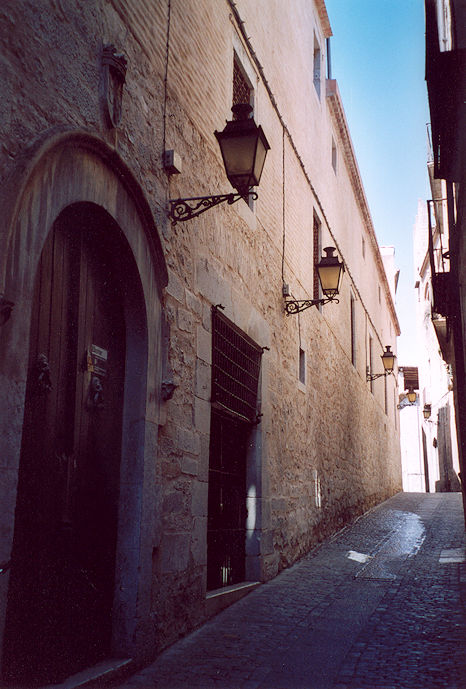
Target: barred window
x=241 y=87
x=236 y=361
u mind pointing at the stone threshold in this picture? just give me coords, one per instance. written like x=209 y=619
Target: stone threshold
x=219 y=599
x=98 y=675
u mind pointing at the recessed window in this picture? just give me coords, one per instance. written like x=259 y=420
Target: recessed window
x=371 y=361
x=380 y=295
x=334 y=155
x=242 y=89
x=317 y=250
x=242 y=93
x=316 y=66
x=353 y=330
x=236 y=362
x=385 y=395
x=302 y=366
x=363 y=247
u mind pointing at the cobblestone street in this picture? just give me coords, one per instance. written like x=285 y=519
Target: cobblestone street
x=378 y=606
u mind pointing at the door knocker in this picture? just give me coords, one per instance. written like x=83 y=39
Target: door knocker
x=43 y=380
x=96 y=393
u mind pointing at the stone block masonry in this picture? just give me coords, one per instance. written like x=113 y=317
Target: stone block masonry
x=324 y=450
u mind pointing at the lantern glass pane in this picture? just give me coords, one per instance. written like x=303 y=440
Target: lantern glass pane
x=388 y=361
x=261 y=152
x=238 y=154
x=329 y=278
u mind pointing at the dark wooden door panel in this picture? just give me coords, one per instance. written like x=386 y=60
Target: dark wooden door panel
x=61 y=589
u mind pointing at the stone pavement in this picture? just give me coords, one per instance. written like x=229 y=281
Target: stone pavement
x=381 y=605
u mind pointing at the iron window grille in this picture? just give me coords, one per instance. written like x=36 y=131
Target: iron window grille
x=241 y=88
x=236 y=361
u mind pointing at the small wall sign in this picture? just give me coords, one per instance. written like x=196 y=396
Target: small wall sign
x=96 y=359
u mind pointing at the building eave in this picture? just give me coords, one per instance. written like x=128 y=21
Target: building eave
x=323 y=17
x=339 y=119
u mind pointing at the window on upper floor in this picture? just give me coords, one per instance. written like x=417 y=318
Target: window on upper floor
x=334 y=155
x=243 y=92
x=242 y=89
x=385 y=395
x=363 y=247
x=317 y=66
x=353 y=329
x=317 y=251
x=370 y=364
x=302 y=366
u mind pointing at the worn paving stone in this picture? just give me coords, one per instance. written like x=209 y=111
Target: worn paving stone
x=395 y=620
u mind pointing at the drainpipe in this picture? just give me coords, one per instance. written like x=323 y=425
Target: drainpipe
x=329 y=60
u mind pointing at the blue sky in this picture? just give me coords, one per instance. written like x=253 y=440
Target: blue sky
x=377 y=56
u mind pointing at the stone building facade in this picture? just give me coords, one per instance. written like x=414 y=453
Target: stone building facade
x=446 y=86
x=137 y=499
x=437 y=433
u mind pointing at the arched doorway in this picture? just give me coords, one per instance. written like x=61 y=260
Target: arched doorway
x=73 y=180
x=59 y=615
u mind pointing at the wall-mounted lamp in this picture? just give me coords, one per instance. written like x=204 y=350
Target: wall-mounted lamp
x=427 y=411
x=330 y=271
x=388 y=361
x=244 y=147
x=412 y=396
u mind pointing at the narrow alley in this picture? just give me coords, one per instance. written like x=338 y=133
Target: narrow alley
x=380 y=605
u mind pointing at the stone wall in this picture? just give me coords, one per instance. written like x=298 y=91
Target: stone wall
x=325 y=450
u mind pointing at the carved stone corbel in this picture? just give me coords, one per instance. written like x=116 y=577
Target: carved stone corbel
x=114 y=66
x=168 y=388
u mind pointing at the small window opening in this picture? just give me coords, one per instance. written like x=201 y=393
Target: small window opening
x=334 y=155
x=385 y=396
x=371 y=361
x=363 y=247
x=316 y=66
x=317 y=250
x=353 y=330
x=302 y=366
x=241 y=87
x=242 y=93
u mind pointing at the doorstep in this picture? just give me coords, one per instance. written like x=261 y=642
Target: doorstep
x=96 y=676
x=219 y=599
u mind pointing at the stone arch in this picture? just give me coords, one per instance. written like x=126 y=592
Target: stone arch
x=79 y=168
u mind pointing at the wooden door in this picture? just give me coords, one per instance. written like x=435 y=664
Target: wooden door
x=63 y=560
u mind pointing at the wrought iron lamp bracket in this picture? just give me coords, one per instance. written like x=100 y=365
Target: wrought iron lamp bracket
x=293 y=306
x=374 y=376
x=185 y=209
